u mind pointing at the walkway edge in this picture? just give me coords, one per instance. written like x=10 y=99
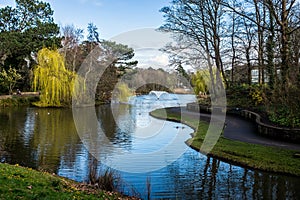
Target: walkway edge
x=288 y=134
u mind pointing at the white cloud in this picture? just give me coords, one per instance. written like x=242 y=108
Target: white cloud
x=93 y=2
x=151 y=57
x=161 y=60
x=5 y=3
x=146 y=43
x=143 y=38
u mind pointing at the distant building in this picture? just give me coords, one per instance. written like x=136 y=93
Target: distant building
x=240 y=74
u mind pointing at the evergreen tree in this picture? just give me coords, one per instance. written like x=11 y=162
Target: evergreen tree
x=24 y=30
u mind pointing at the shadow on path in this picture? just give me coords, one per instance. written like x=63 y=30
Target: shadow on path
x=238 y=128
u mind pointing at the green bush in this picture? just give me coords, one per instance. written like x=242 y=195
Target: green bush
x=256 y=94
x=283 y=106
x=18 y=101
x=283 y=116
x=246 y=96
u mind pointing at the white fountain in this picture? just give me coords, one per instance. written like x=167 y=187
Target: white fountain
x=158 y=94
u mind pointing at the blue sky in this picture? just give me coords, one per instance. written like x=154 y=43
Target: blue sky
x=130 y=22
x=112 y=17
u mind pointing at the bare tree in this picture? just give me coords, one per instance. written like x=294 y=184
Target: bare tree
x=295 y=42
x=198 y=23
x=282 y=10
x=70 y=43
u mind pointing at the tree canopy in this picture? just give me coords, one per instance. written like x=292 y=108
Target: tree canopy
x=8 y=79
x=248 y=41
x=24 y=30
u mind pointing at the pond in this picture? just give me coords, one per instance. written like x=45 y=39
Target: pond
x=47 y=139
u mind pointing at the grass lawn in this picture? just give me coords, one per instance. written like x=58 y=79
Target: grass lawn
x=24 y=183
x=244 y=154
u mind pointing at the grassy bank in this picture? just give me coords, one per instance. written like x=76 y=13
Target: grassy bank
x=15 y=101
x=244 y=154
x=24 y=183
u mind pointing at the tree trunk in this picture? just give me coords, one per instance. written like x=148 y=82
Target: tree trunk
x=260 y=41
x=284 y=42
x=248 y=65
x=270 y=53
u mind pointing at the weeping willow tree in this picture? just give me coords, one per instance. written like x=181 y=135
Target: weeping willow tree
x=202 y=82
x=52 y=79
x=199 y=82
x=123 y=92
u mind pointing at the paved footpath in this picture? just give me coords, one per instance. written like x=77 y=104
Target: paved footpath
x=238 y=128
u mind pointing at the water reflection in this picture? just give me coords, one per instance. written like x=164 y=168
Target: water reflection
x=118 y=135
x=122 y=143
x=47 y=139
x=37 y=137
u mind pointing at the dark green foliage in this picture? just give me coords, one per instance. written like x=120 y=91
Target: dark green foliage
x=121 y=52
x=283 y=107
x=283 y=116
x=118 y=67
x=26 y=29
x=279 y=107
x=23 y=31
x=270 y=45
x=106 y=84
x=240 y=96
x=18 y=101
x=122 y=55
x=93 y=35
x=182 y=72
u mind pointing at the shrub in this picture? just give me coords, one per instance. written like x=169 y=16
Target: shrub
x=283 y=116
x=256 y=94
x=107 y=180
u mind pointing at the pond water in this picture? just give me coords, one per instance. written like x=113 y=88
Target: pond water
x=47 y=139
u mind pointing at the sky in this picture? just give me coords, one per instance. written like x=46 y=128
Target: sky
x=130 y=22
x=112 y=17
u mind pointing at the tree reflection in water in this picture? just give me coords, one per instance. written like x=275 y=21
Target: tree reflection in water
x=47 y=139
x=118 y=135
x=210 y=178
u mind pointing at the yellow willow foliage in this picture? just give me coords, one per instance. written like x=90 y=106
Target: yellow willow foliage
x=52 y=79
x=124 y=92
x=201 y=79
